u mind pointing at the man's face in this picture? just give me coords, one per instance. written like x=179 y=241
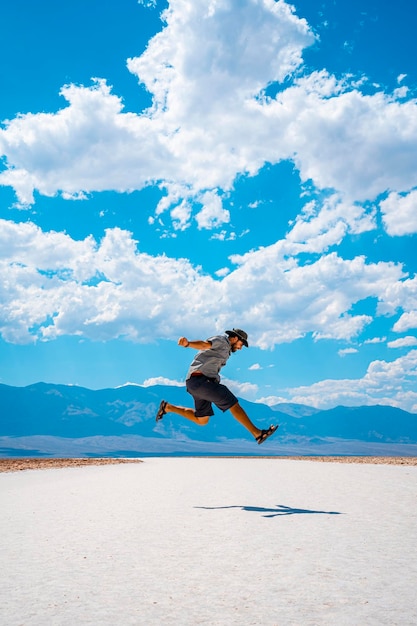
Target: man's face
x=237 y=344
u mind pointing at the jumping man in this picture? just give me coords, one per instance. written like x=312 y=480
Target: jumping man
x=203 y=383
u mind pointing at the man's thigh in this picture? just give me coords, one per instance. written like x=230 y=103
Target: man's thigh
x=206 y=389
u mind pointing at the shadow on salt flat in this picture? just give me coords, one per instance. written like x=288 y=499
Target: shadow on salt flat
x=280 y=509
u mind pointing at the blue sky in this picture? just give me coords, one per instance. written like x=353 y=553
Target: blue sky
x=180 y=168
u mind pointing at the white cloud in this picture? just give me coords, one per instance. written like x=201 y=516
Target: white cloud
x=317 y=297
x=212 y=214
x=255 y=366
x=89 y=145
x=403 y=342
x=401 y=296
x=399 y=213
x=191 y=136
x=348 y=141
x=236 y=61
x=243 y=390
x=221 y=273
x=209 y=122
x=386 y=383
x=401 y=92
x=52 y=285
x=223 y=235
x=346 y=351
x=375 y=340
x=319 y=226
x=161 y=380
x=181 y=215
x=407 y=320
x=148 y=3
x=272 y=400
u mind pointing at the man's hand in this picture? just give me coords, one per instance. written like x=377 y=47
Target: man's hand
x=183 y=341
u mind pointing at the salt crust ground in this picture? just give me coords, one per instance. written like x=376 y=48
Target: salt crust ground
x=213 y=541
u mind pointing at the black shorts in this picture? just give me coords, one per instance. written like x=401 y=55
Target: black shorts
x=207 y=391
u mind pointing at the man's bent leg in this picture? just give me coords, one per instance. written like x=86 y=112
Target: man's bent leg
x=189 y=414
x=242 y=417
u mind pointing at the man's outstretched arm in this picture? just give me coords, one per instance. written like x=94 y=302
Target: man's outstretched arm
x=197 y=345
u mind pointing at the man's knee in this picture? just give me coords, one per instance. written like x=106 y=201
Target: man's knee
x=203 y=421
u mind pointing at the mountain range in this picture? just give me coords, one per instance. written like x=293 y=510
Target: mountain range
x=63 y=420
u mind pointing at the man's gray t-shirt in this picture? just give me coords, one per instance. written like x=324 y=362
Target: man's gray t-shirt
x=210 y=361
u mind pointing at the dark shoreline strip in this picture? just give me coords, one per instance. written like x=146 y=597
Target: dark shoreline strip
x=19 y=464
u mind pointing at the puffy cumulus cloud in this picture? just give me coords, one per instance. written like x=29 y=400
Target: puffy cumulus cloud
x=243 y=390
x=360 y=145
x=293 y=300
x=211 y=120
x=97 y=290
x=181 y=215
x=217 y=52
x=321 y=225
x=403 y=342
x=192 y=135
x=89 y=145
x=27 y=246
x=212 y=214
x=399 y=213
x=388 y=383
x=407 y=320
x=212 y=96
x=401 y=297
x=207 y=71
x=52 y=285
